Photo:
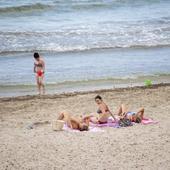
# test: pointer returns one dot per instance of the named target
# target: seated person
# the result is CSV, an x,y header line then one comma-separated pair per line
x,y
132,116
74,122
103,112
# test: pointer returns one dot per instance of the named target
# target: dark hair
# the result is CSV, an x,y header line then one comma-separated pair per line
x,y
98,97
84,127
138,120
36,55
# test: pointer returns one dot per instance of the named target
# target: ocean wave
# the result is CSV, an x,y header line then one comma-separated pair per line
x,y
75,5
87,37
81,48
64,36
91,6
100,4
24,8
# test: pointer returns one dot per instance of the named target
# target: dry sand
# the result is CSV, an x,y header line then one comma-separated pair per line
x,y
136,147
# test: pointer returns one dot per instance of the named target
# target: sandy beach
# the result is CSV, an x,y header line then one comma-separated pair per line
x,y
136,147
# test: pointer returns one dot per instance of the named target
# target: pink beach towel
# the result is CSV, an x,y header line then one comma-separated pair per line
x,y
114,124
97,127
147,121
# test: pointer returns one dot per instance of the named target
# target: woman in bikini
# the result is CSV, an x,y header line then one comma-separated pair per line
x,y
103,112
39,69
132,116
74,122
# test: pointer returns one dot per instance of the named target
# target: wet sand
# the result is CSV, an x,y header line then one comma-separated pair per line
x,y
136,147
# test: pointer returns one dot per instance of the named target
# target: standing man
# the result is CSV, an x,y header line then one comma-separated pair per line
x,y
39,69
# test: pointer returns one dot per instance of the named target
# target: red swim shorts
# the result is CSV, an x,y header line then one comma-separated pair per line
x,y
39,73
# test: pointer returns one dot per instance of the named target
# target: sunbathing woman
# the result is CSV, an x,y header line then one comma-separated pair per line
x,y
74,122
103,112
39,69
132,116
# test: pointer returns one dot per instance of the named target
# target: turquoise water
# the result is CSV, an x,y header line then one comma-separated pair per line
x,y
86,44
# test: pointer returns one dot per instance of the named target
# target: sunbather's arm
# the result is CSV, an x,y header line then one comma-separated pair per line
x,y
43,66
113,116
34,69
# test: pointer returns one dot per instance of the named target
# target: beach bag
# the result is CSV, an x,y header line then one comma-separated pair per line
x,y
125,122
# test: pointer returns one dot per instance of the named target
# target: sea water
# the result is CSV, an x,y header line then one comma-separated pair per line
x,y
86,44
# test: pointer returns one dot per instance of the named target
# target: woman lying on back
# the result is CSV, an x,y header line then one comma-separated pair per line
x,y
74,122
132,116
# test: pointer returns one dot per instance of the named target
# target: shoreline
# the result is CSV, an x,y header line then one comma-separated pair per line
x,y
69,94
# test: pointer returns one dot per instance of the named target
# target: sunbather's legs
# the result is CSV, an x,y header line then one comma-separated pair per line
x,y
66,117
122,109
94,119
97,118
103,117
